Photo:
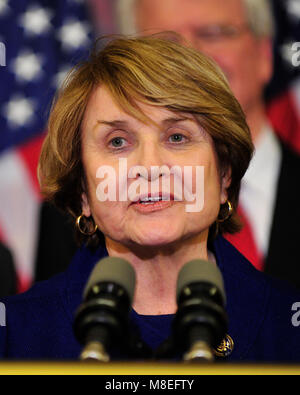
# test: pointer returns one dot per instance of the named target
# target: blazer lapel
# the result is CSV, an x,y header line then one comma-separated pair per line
x,y
247,297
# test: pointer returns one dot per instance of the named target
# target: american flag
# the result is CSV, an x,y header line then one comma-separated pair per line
x,y
42,40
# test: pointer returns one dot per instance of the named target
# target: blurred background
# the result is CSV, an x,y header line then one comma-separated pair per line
x,y
43,39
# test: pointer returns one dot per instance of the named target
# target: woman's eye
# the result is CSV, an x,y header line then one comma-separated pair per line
x,y
117,142
177,138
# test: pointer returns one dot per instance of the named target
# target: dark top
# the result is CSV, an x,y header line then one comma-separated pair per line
x,y
39,322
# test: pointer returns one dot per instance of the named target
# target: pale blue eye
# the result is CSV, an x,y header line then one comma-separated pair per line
x,y
117,142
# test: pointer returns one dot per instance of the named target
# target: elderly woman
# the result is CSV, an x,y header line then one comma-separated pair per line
x,y
151,103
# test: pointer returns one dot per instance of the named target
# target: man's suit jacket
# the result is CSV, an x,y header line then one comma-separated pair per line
x,y
283,259
56,242
8,282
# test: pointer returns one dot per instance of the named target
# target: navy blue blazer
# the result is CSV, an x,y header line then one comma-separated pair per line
x,y
39,322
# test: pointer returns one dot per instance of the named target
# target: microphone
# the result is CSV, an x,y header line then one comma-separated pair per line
x,y
200,323
102,320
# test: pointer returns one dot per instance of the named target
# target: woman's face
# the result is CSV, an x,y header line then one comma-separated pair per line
x,y
145,206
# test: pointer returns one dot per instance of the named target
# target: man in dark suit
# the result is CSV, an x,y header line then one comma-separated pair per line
x,y
8,281
238,35
56,242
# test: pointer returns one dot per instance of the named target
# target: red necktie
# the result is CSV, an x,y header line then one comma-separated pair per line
x,y
245,243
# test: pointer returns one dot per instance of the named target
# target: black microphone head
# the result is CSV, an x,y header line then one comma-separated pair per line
x,y
115,270
200,271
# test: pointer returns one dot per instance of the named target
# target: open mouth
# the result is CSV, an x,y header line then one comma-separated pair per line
x,y
152,200
152,203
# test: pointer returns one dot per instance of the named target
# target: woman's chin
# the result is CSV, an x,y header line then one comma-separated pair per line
x,y
156,238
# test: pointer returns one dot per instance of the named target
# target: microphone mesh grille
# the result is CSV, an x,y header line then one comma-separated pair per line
x,y
200,271
115,270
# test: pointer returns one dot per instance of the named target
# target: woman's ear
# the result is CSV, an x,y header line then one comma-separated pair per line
x,y
225,184
86,211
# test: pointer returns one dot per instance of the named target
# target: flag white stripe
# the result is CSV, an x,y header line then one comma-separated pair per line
x,y
19,212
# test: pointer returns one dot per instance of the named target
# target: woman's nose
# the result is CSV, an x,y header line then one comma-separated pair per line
x,y
150,159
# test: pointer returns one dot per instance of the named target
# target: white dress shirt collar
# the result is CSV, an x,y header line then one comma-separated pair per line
x,y
259,187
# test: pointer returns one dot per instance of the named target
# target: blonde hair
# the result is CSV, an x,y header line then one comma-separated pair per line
x,y
258,13
154,71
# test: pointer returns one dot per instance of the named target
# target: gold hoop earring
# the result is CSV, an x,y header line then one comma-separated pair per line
x,y
83,228
229,214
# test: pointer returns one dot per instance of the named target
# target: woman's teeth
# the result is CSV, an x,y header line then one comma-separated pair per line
x,y
151,200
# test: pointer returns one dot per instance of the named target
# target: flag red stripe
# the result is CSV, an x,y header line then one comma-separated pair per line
x,y
30,153
285,119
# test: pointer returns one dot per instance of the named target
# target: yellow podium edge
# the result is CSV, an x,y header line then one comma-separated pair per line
x,y
144,368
